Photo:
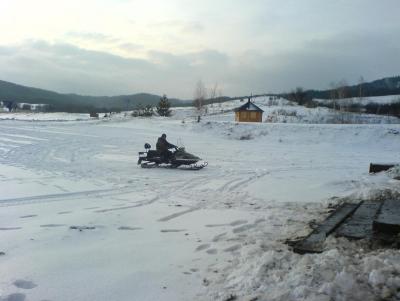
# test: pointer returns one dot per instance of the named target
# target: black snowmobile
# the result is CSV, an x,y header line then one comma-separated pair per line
x,y
179,159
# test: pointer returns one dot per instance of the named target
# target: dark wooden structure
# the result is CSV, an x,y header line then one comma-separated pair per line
x,y
378,167
378,220
248,112
313,243
359,225
388,220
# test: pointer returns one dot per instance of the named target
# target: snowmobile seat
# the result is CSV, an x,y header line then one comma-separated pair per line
x,y
153,153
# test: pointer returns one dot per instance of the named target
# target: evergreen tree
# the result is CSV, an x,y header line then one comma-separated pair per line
x,y
163,107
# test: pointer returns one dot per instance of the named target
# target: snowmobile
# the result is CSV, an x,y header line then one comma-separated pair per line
x,y
178,159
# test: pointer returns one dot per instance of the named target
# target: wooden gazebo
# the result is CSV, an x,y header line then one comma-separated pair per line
x,y
248,112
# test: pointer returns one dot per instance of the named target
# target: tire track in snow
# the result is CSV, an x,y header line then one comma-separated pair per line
x,y
178,214
48,132
62,196
139,204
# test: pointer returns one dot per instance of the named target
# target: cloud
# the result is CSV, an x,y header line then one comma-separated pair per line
x,y
91,36
130,46
71,69
180,26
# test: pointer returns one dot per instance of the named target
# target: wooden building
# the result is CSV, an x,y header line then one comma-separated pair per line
x,y
248,112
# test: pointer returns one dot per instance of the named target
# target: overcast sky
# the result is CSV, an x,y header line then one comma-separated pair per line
x,y
110,47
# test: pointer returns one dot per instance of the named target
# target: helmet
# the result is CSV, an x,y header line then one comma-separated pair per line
x,y
164,136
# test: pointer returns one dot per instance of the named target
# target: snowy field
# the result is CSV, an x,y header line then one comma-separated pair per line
x,y
387,99
32,116
79,220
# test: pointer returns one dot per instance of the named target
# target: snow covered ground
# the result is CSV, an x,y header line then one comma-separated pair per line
x,y
79,220
32,116
279,110
387,99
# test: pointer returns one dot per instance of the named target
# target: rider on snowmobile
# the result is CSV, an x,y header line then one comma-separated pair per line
x,y
163,147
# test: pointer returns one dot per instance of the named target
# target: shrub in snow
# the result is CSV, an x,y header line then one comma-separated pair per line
x,y
394,172
246,137
141,111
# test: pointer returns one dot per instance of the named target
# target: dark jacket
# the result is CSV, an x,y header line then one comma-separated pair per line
x,y
163,145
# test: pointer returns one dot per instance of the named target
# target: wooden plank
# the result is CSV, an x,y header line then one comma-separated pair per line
x,y
359,225
388,220
314,242
378,167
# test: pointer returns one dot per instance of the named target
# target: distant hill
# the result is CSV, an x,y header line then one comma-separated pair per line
x,y
380,87
78,103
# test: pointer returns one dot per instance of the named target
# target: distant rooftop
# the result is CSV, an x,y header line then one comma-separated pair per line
x,y
248,106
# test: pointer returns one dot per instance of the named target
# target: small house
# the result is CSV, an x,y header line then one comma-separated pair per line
x,y
248,112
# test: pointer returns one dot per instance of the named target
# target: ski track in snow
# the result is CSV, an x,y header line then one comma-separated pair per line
x,y
229,220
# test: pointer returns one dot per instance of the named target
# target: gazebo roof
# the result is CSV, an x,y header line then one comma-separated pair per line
x,y
248,106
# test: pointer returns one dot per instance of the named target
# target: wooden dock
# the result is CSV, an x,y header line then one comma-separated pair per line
x,y
314,242
359,225
371,219
378,167
388,220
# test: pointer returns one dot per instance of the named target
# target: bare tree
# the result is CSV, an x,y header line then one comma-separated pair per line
x,y
298,95
343,93
213,92
333,94
339,91
342,89
200,95
360,87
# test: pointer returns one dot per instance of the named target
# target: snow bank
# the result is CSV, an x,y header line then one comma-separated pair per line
x,y
394,172
267,269
298,133
387,99
283,111
37,116
337,274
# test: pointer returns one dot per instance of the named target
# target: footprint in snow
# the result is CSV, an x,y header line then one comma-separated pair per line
x,y
64,212
27,216
243,228
24,284
52,225
172,230
216,225
10,228
233,248
218,237
14,297
212,251
202,247
239,222
129,228
81,228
